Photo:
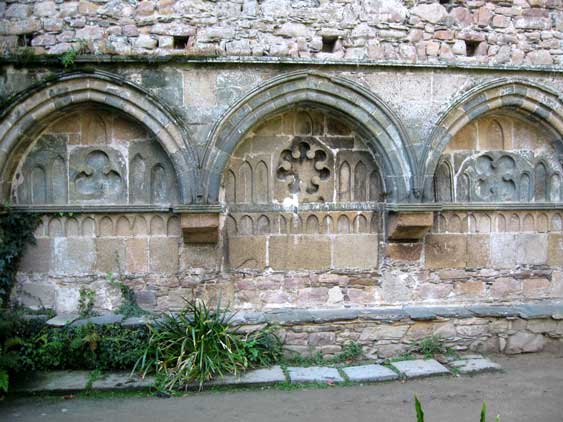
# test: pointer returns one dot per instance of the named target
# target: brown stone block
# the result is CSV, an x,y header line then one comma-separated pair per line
x,y
137,251
356,251
555,249
505,287
469,288
247,252
164,254
200,228
409,225
478,250
404,251
446,251
206,256
296,252
535,287
110,255
37,258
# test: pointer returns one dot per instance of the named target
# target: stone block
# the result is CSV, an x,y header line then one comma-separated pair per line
x,y
367,373
505,286
356,251
62,320
37,258
555,249
409,225
163,255
383,332
74,255
531,248
403,251
478,250
110,255
446,251
503,250
200,228
524,342
247,252
314,374
137,255
535,287
255,377
295,252
37,296
419,368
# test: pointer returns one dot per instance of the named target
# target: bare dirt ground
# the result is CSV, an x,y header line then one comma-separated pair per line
x,y
529,390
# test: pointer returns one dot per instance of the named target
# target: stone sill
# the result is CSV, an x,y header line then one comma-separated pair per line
x,y
53,60
292,316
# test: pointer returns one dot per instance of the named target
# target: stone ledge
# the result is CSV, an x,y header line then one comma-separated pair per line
x,y
293,316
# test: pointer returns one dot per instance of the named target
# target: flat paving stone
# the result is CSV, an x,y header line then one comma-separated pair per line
x,y
53,381
420,368
314,374
369,373
255,377
99,320
61,320
122,381
474,364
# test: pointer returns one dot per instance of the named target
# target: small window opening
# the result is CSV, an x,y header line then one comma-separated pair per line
x,y
471,48
181,42
24,40
329,43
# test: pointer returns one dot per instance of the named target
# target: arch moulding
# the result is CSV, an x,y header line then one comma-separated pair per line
x,y
32,110
378,126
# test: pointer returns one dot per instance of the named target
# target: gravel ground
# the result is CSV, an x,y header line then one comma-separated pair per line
x,y
530,389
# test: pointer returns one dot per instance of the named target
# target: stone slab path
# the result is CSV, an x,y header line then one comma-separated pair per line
x,y
58,382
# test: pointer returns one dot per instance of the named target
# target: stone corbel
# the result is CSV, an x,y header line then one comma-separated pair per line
x,y
409,226
198,228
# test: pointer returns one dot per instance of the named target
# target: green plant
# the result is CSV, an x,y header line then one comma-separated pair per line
x,y
430,346
86,302
350,351
69,57
420,412
16,232
200,343
128,306
93,376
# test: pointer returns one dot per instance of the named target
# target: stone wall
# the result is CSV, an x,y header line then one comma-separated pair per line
x,y
514,32
301,177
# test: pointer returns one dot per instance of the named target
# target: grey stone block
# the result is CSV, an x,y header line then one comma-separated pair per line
x,y
473,364
314,374
134,322
99,320
493,311
55,382
369,373
256,377
420,313
122,381
534,311
452,312
420,368
62,320
386,314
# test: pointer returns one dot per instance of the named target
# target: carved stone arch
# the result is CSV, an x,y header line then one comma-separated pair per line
x,y
32,110
374,122
534,101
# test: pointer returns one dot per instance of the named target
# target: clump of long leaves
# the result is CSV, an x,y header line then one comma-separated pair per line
x,y
200,343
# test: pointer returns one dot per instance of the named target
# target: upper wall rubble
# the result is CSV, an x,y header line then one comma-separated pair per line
x,y
512,32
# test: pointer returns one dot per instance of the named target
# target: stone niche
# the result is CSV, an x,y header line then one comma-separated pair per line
x,y
95,157
500,158
299,191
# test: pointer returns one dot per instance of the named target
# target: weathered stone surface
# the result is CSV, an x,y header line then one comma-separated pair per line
x,y
365,373
200,228
164,255
74,255
420,368
314,374
254,377
474,364
247,252
299,252
356,251
99,320
523,342
445,251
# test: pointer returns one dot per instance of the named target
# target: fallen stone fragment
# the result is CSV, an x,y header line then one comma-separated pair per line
x,y
473,364
314,374
369,373
62,320
420,368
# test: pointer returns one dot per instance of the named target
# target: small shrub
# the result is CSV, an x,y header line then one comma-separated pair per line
x,y
128,307
420,412
430,346
200,343
69,57
86,302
